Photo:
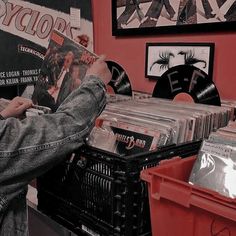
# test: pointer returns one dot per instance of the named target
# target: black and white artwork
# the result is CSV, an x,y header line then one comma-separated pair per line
x,y
162,56
149,16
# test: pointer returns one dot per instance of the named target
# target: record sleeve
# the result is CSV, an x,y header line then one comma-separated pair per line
x,y
223,138
232,124
232,105
124,138
215,168
63,69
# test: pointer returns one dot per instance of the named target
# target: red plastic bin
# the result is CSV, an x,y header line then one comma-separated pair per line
x,y
180,209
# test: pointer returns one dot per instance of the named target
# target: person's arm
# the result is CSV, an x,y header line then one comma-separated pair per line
x,y
30,147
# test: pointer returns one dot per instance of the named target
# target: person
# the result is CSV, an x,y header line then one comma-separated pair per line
x,y
217,9
155,9
187,12
207,9
31,146
131,6
70,82
54,90
223,10
75,75
48,78
51,84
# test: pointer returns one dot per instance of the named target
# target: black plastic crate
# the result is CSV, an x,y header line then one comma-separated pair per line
x,y
101,192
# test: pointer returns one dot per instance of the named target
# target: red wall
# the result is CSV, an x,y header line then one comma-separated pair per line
x,y
130,51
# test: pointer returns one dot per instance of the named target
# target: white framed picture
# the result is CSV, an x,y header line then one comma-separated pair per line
x,y
162,56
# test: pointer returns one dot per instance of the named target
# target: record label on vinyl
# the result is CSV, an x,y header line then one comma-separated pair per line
x,y
120,82
187,83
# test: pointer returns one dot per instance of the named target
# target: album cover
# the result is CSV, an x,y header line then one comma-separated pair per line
x,y
62,71
122,141
232,124
232,105
222,137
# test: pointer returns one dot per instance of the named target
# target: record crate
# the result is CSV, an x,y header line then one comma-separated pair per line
x,y
180,209
101,193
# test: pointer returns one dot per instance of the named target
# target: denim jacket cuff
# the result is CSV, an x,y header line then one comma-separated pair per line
x,y
94,80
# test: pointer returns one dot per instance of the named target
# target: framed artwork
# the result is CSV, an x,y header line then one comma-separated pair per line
x,y
162,56
172,16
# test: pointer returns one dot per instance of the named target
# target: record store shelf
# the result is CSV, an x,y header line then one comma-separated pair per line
x,y
101,193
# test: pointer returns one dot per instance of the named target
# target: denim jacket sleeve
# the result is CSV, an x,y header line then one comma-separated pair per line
x,y
31,146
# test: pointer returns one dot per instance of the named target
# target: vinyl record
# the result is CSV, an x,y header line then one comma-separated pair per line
x,y
120,81
187,81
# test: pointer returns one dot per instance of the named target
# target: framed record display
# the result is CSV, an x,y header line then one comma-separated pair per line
x,y
160,57
172,16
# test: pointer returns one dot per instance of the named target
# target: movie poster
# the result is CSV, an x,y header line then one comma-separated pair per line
x,y
25,29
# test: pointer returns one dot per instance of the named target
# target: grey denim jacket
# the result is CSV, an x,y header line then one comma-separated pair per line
x,y
30,147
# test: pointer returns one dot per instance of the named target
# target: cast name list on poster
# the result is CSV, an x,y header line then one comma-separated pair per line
x,y
12,77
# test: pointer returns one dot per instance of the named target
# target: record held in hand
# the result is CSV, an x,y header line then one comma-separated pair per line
x,y
120,82
188,82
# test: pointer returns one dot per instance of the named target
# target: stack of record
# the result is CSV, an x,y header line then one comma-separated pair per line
x,y
137,125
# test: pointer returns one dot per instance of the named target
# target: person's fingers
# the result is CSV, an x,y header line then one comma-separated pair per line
x,y
15,99
29,103
22,100
23,107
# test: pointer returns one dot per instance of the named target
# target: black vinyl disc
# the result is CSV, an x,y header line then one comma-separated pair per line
x,y
185,79
120,82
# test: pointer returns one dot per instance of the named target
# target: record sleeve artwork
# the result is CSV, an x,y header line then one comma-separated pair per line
x,y
62,71
187,83
64,68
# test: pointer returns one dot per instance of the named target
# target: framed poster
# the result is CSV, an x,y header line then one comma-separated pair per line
x,y
162,56
172,16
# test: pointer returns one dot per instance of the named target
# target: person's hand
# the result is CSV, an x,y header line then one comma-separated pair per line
x,y
99,69
16,107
